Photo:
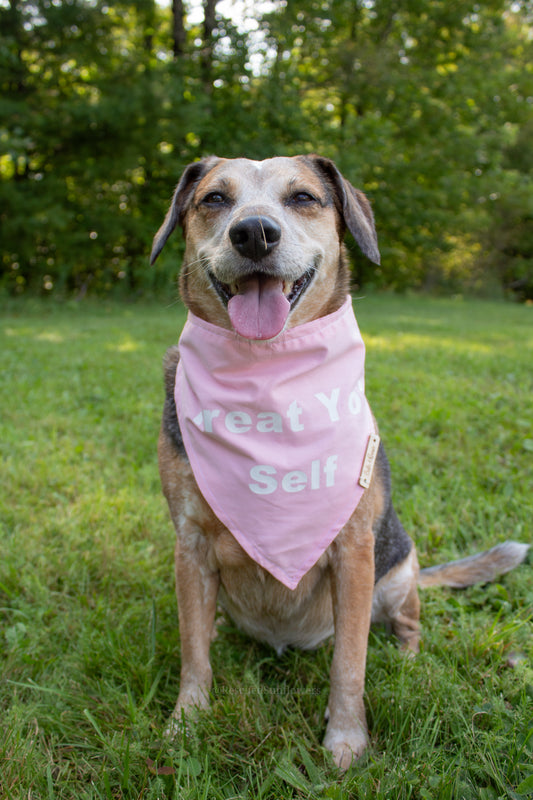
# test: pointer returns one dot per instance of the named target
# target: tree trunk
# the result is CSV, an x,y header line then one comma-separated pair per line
x,y
209,20
15,32
178,28
207,50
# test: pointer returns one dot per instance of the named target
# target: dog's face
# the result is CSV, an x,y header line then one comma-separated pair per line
x,y
262,236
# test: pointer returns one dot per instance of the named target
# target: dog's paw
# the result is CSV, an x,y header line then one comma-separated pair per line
x,y
346,746
189,703
176,726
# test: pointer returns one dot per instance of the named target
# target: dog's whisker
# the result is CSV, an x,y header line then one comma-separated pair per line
x,y
198,265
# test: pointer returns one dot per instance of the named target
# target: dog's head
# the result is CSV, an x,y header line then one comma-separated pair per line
x,y
262,237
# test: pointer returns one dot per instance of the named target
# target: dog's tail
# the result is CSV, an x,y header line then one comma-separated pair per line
x,y
480,568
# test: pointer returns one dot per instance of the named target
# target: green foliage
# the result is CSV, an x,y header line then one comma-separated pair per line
x,y
511,236
89,644
425,105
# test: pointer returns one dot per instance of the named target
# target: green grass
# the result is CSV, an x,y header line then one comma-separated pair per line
x,y
89,643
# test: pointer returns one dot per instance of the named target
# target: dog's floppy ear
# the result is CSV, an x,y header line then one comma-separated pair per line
x,y
353,207
180,202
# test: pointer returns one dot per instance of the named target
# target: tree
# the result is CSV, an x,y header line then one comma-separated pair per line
x,y
424,104
77,103
179,35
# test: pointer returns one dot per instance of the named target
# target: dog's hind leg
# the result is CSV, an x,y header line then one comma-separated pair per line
x,y
406,622
396,602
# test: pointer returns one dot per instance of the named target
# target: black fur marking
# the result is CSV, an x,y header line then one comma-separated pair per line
x,y
392,543
171,426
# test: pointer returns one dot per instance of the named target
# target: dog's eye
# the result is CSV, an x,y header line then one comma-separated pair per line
x,y
214,199
302,199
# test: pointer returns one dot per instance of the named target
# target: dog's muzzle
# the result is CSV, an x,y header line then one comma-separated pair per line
x,y
259,302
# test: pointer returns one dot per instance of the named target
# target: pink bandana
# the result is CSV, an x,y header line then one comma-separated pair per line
x,y
276,432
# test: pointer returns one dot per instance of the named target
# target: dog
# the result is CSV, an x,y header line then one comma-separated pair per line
x,y
264,273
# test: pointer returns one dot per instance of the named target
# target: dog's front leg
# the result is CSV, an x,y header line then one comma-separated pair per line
x,y
196,590
352,584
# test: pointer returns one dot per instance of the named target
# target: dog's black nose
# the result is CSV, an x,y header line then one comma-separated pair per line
x,y
255,237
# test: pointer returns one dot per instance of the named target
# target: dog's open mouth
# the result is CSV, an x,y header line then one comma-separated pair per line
x,y
258,304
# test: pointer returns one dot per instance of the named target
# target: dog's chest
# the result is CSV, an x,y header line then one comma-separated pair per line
x,y
265,609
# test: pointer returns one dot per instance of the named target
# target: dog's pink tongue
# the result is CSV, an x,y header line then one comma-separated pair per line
x,y
261,309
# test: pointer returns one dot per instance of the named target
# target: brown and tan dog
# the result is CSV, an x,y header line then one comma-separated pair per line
x,y
278,226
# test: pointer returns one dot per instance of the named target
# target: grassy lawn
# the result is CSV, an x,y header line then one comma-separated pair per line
x,y
89,644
